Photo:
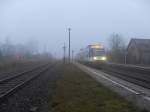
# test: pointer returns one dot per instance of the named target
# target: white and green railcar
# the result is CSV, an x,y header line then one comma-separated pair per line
x,y
93,53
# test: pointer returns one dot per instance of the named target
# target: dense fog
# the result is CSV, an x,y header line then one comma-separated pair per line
x,y
45,22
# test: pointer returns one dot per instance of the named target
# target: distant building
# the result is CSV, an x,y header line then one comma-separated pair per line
x,y
138,51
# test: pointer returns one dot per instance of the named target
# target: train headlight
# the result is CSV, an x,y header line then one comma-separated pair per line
x,y
95,58
104,58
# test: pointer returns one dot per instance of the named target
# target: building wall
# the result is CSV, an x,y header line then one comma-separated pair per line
x,y
145,58
133,54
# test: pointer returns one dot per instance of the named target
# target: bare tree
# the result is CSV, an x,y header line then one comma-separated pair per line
x,y
10,51
7,48
117,48
31,48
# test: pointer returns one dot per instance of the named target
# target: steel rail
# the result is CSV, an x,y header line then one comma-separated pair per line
x,y
19,74
137,75
14,88
122,75
130,66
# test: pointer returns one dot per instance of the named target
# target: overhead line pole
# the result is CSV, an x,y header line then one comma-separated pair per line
x,y
72,55
64,48
69,29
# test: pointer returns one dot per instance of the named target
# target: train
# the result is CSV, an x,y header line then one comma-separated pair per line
x,y
93,53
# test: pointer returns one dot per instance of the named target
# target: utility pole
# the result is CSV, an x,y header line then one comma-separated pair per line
x,y
64,48
72,55
69,29
125,58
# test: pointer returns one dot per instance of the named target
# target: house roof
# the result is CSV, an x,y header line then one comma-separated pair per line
x,y
141,44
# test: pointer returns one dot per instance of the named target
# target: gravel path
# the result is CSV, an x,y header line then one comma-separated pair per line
x,y
33,97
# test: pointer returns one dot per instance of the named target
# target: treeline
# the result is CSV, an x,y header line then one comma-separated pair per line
x,y
116,51
10,51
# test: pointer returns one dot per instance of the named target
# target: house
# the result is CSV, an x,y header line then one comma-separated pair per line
x,y
138,51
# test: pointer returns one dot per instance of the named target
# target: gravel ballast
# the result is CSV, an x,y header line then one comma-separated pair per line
x,y
34,96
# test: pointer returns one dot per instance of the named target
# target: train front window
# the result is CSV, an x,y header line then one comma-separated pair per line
x,y
98,52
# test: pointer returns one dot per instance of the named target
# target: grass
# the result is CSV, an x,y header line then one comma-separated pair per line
x,y
78,92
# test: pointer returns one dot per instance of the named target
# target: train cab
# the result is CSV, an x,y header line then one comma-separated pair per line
x,y
97,53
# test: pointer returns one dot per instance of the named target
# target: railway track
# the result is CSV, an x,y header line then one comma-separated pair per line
x,y
19,69
10,85
134,74
130,77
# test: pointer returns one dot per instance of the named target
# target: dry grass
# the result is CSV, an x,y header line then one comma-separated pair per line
x,y
77,92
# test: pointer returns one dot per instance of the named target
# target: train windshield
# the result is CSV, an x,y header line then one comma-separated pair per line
x,y
97,52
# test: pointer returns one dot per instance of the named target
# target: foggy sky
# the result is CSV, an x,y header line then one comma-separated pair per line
x,y
46,21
